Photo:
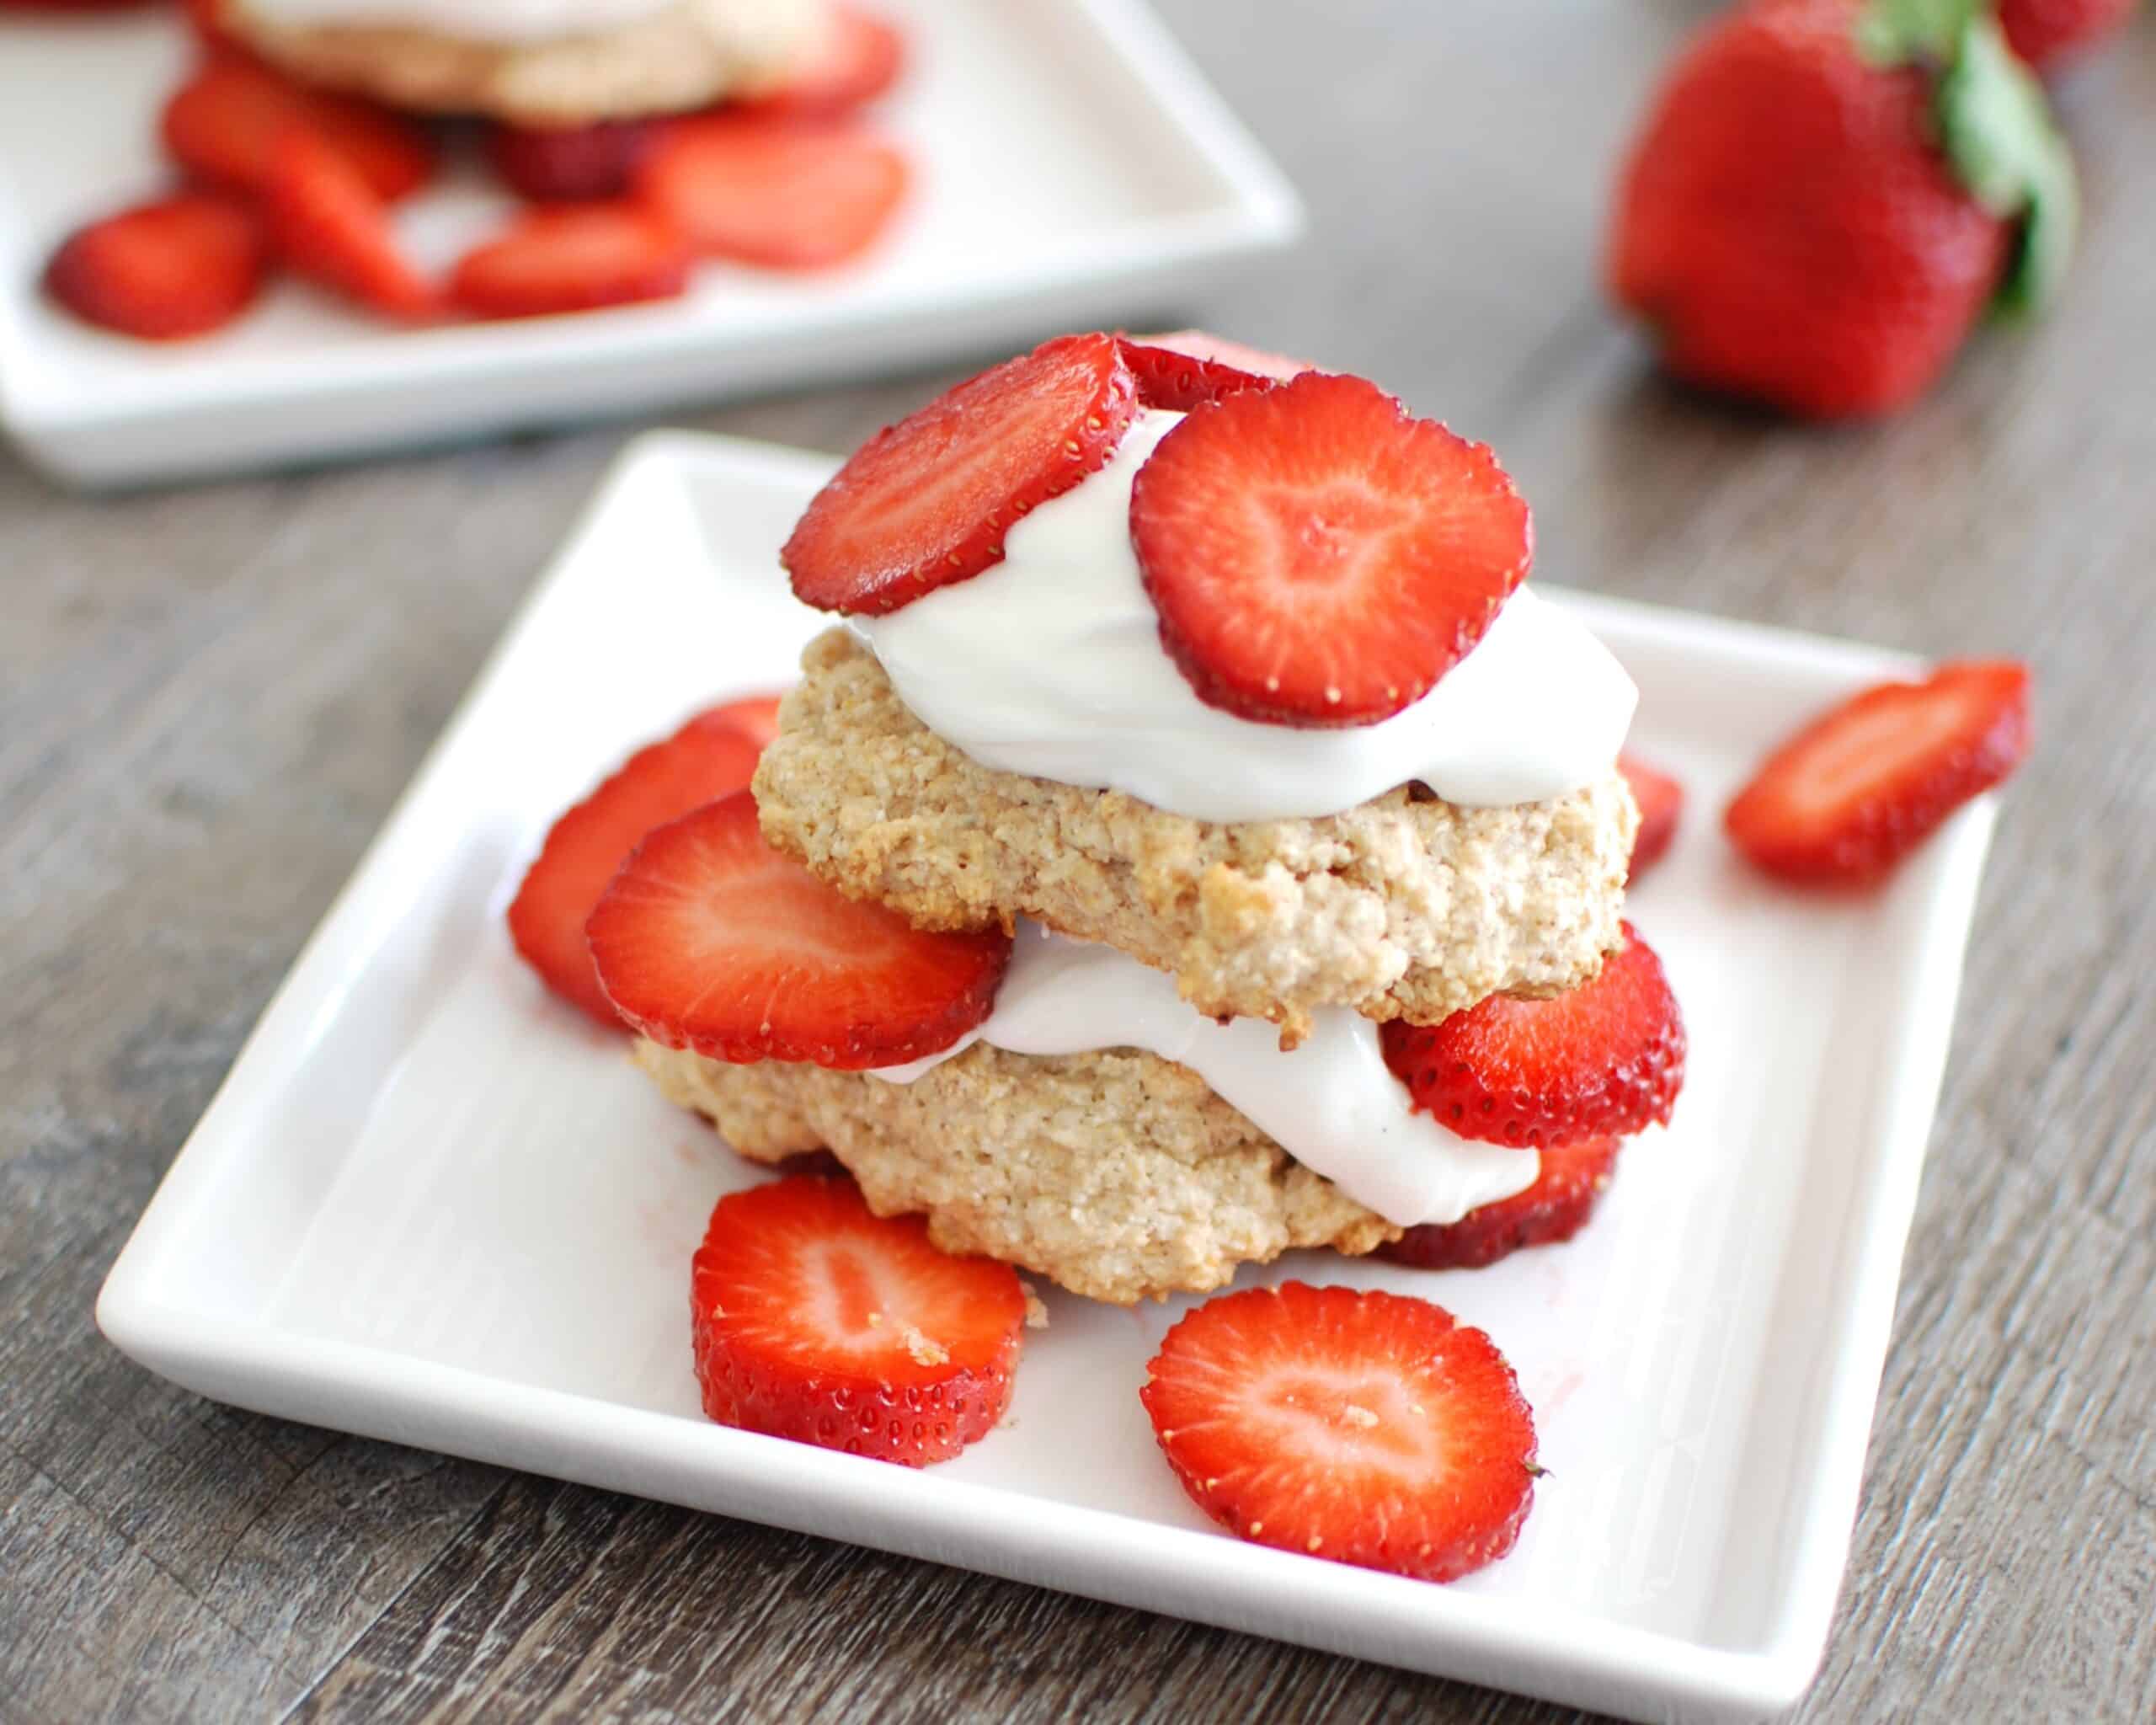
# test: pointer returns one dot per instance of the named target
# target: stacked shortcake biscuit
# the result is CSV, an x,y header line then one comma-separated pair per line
x,y
537,63
1193,843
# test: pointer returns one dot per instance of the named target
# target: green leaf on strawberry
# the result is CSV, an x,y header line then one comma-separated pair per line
x,y
1995,126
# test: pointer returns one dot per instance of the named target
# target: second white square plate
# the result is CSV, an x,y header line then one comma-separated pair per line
x,y
1072,169
433,1204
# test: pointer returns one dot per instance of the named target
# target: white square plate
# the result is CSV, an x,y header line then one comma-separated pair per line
x,y
1072,169
432,1204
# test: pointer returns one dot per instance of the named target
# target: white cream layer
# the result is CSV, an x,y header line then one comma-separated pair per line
x,y
1050,664
1332,1103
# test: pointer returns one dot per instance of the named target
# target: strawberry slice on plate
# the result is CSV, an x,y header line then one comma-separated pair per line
x,y
816,1321
572,258
708,758
1853,793
755,715
859,58
1661,803
1367,1427
711,940
570,163
224,123
330,225
1319,559
1573,1179
781,195
926,502
181,266
1607,1057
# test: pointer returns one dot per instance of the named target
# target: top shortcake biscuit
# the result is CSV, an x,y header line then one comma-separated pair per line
x,y
1404,906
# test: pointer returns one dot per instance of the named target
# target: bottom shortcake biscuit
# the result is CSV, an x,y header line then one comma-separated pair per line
x,y
1117,1175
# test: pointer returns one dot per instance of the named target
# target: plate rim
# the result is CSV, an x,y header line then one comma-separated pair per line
x,y
1573,1655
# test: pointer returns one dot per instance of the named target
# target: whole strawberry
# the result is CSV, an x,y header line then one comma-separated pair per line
x,y
2044,32
1828,193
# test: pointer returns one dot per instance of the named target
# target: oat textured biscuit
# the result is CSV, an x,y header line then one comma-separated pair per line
x,y
687,56
1119,1175
1402,906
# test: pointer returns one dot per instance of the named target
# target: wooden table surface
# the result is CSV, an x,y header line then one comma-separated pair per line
x,y
210,698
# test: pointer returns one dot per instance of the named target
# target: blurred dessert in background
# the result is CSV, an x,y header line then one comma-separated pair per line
x,y
648,135
537,63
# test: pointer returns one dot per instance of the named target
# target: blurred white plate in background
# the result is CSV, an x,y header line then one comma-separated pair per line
x,y
1072,169
432,1203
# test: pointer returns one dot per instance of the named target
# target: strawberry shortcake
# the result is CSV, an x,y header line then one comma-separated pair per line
x,y
537,63
1194,842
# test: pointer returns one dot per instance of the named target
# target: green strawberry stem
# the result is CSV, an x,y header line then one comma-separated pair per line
x,y
1995,126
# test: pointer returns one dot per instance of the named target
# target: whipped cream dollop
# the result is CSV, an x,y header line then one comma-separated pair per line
x,y
1050,664
1332,1103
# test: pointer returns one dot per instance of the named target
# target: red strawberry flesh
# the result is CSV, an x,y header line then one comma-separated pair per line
x,y
756,716
1604,1058
1319,559
710,757
1367,1427
814,1320
570,163
926,502
224,123
572,258
1662,804
711,940
780,194
1566,1189
1175,381
182,266
1218,350
1842,801
330,225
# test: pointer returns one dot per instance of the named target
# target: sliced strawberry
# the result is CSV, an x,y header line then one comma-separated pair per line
x,y
181,266
1853,793
572,258
702,761
816,1321
1184,368
224,123
1607,1057
858,59
787,196
926,502
755,715
711,940
1662,802
329,225
1170,379
1317,557
1556,1207
1367,1427
558,164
